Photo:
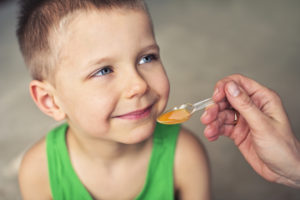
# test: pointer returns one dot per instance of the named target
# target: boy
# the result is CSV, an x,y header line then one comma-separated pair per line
x,y
96,64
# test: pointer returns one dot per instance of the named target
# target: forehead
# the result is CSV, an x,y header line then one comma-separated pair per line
x,y
110,27
106,24
93,34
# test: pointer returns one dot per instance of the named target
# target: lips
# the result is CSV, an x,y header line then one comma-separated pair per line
x,y
138,114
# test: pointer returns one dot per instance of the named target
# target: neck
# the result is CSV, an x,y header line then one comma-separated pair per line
x,y
102,150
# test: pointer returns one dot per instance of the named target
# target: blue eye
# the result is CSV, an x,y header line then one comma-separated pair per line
x,y
103,71
147,59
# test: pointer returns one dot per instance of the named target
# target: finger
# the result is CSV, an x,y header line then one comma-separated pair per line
x,y
249,85
211,132
210,114
227,130
268,99
241,101
223,105
219,92
227,117
217,127
212,111
237,132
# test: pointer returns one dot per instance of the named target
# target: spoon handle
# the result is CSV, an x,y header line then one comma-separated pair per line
x,y
202,104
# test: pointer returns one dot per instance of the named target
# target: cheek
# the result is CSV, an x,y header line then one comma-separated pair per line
x,y
93,117
99,107
161,84
90,111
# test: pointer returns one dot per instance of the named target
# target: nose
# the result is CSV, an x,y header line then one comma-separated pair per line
x,y
136,85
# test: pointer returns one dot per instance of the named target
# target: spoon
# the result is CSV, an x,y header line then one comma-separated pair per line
x,y
182,113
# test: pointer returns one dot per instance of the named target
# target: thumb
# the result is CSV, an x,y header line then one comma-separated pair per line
x,y
241,102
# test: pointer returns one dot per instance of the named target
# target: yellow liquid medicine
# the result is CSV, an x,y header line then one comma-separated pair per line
x,y
174,117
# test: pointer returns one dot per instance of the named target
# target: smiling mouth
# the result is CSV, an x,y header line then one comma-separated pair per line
x,y
135,115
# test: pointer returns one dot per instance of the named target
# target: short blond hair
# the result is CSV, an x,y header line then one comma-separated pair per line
x,y
40,18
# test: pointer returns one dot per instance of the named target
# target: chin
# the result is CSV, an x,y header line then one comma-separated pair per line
x,y
140,133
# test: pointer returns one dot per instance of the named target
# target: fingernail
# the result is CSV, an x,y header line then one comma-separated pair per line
x,y
216,91
233,89
204,114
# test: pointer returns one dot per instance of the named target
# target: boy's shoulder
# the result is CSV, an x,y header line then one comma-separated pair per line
x,y
189,146
33,173
192,174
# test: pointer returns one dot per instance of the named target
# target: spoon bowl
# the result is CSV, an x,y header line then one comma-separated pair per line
x,y
182,113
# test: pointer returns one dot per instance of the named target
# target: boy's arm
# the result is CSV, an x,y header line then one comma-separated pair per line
x,y
33,174
192,174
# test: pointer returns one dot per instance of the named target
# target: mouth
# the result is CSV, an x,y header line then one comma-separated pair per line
x,y
135,115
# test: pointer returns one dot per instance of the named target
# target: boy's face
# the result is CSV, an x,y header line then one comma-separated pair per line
x,y
110,81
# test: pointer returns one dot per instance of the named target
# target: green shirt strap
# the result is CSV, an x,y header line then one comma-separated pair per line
x,y
64,182
66,185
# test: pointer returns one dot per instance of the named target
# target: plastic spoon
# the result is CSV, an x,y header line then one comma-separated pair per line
x,y
182,113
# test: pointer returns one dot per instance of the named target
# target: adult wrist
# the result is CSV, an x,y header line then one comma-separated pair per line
x,y
293,179
296,178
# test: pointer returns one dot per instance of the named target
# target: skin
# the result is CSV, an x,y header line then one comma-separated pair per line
x,y
110,86
262,132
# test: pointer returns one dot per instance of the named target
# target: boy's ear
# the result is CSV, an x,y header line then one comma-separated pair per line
x,y
42,95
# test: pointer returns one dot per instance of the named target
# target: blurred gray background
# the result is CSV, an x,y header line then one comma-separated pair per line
x,y
201,42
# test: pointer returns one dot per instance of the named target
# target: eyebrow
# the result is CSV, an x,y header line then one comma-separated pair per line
x,y
104,59
98,61
150,47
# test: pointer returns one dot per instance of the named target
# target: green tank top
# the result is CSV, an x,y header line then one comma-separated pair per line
x,y
66,185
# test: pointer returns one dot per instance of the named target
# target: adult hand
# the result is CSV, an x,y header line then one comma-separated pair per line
x,y
262,130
